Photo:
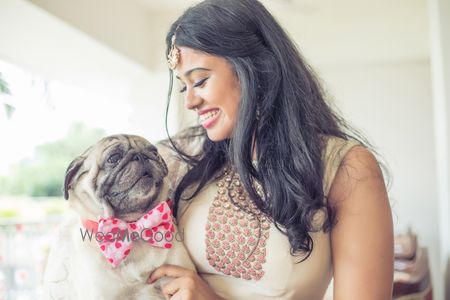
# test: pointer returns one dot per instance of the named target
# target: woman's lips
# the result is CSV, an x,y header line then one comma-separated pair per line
x,y
208,118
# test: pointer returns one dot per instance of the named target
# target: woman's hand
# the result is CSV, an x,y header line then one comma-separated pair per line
x,y
186,284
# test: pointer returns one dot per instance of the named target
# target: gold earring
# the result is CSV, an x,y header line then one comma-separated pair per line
x,y
174,55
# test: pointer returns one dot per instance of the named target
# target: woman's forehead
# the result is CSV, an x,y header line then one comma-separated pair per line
x,y
191,59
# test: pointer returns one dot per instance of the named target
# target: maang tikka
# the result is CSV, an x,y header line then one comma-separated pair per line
x,y
174,54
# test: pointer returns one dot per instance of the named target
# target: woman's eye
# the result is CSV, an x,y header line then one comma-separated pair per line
x,y
113,159
196,84
199,83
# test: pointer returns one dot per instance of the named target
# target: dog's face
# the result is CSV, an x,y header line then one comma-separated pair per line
x,y
121,176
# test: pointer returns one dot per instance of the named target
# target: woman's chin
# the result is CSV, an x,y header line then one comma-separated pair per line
x,y
216,137
217,134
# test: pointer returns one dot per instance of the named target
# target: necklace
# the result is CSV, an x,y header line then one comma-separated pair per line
x,y
236,231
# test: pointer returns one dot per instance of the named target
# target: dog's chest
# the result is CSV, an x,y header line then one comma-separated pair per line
x,y
77,269
95,274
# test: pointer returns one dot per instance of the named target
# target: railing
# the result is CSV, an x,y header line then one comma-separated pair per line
x,y
23,252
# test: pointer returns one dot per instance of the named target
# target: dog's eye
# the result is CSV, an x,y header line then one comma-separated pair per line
x,y
113,159
140,156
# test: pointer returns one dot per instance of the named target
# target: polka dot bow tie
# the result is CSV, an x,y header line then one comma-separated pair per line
x,y
117,238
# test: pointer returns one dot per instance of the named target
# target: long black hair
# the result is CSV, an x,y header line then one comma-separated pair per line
x,y
282,108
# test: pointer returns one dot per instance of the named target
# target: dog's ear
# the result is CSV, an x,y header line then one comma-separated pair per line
x,y
162,153
71,171
163,163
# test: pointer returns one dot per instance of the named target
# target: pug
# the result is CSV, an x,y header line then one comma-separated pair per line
x,y
121,228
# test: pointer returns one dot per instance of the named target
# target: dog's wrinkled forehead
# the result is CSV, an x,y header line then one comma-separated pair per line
x,y
119,142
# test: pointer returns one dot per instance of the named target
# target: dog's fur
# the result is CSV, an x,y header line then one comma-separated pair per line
x,y
121,176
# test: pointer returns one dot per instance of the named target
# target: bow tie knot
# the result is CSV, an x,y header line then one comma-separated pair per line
x,y
155,228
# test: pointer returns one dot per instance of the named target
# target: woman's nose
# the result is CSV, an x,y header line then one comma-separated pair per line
x,y
191,99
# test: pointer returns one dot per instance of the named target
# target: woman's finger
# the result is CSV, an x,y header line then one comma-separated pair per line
x,y
168,270
180,295
171,288
183,295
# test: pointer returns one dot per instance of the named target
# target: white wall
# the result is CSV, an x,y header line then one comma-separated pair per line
x,y
439,19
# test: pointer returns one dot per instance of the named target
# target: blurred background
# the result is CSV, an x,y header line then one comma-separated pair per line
x,y
72,72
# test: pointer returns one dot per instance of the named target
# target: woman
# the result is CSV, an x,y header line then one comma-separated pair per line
x,y
272,193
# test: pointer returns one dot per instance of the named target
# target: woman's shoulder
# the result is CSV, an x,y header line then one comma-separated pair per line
x,y
362,238
333,152
337,146
189,142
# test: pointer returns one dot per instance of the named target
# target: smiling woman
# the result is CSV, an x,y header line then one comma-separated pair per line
x,y
275,193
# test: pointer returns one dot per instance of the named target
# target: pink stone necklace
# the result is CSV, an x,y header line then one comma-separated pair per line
x,y
236,230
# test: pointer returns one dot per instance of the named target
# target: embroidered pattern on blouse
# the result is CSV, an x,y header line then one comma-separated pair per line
x,y
236,239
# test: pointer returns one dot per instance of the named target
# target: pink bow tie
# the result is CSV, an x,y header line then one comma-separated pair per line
x,y
155,227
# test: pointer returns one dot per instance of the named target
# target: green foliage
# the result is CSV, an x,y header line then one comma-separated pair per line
x,y
43,175
4,89
8,213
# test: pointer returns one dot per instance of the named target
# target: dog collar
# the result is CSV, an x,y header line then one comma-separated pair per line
x,y
115,237
90,225
93,225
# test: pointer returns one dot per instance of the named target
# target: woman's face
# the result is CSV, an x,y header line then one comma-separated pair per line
x,y
211,88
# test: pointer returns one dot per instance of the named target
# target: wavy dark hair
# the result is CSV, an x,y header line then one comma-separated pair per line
x,y
282,106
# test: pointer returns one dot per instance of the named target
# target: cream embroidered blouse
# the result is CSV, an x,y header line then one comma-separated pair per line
x,y
243,256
